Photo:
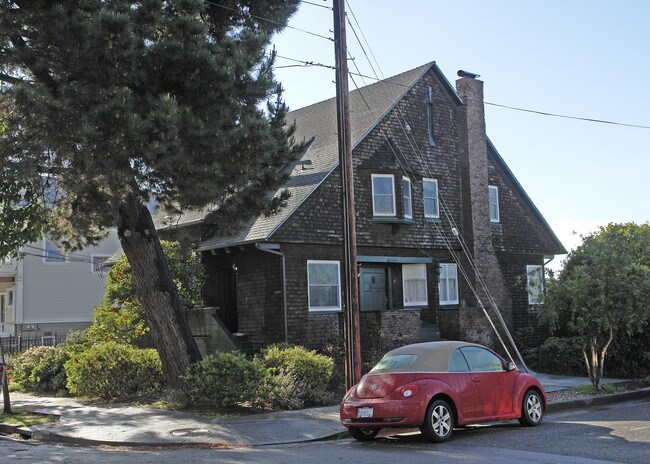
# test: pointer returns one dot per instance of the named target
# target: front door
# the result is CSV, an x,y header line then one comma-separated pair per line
x,y
373,294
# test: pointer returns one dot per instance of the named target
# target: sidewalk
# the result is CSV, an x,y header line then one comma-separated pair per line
x,y
121,425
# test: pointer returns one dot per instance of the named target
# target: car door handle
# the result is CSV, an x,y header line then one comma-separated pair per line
x,y
476,379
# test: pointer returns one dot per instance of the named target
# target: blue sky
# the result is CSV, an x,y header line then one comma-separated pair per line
x,y
579,58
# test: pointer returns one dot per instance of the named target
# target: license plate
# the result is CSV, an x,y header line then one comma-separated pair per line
x,y
364,413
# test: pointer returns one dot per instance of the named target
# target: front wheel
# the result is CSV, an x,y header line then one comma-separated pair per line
x,y
439,422
363,433
532,409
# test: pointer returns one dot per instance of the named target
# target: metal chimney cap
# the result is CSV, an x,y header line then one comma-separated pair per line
x,y
462,73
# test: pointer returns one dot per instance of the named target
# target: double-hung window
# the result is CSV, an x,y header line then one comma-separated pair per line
x,y
493,200
324,285
383,195
430,193
448,284
414,282
406,194
52,252
535,284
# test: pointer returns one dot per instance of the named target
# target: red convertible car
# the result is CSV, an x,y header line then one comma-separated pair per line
x,y
437,386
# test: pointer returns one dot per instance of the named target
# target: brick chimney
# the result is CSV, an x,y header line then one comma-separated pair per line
x,y
476,219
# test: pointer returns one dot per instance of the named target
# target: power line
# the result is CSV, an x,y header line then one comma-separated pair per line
x,y
317,4
544,113
261,18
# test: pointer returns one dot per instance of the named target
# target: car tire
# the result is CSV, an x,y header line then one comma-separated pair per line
x,y
532,409
439,422
363,433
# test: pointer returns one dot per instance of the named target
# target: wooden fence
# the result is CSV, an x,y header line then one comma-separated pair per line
x,y
17,344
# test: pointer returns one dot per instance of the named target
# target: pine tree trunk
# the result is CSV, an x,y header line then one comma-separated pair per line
x,y
159,296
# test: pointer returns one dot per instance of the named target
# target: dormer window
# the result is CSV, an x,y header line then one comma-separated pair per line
x,y
383,195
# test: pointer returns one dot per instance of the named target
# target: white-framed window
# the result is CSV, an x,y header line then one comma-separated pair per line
x,y
96,262
535,283
448,283
51,252
383,195
414,283
430,194
493,200
10,298
406,194
324,285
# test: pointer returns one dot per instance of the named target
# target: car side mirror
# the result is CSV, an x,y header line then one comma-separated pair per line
x,y
510,366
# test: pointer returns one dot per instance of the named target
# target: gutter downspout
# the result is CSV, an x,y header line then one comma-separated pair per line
x,y
266,247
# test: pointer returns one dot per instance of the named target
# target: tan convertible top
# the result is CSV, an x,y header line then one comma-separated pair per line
x,y
430,356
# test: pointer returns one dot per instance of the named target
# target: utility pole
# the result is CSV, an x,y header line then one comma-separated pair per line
x,y
350,270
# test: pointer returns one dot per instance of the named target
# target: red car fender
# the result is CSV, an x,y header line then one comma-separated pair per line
x,y
432,387
523,383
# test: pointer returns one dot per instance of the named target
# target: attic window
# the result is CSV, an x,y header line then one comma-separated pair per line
x,y
493,199
430,125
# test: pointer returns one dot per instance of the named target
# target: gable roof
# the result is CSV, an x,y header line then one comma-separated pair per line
x,y
317,123
538,215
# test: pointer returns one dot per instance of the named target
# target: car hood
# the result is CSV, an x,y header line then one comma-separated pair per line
x,y
381,385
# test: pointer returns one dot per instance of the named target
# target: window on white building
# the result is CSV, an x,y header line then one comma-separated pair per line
x,y
493,199
324,283
52,252
414,282
535,284
383,195
448,284
96,262
430,193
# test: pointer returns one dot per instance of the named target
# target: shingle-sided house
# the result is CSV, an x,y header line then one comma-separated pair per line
x,y
426,176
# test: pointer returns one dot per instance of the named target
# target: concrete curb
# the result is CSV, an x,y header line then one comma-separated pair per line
x,y
597,400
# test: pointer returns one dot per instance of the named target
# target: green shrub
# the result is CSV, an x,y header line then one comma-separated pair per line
x,y
562,356
120,316
41,369
300,375
227,380
113,370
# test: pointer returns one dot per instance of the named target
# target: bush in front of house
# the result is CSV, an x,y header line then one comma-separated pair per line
x,y
40,369
114,370
562,356
299,377
227,380
281,377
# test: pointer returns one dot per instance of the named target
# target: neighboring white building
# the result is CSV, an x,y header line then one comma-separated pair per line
x,y
49,292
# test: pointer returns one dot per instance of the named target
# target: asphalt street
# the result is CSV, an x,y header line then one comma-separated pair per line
x,y
613,433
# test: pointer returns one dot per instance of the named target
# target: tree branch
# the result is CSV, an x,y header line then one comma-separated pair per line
x,y
11,79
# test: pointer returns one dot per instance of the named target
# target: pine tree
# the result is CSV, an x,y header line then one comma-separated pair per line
x,y
124,101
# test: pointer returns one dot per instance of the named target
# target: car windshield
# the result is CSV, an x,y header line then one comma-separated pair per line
x,y
399,361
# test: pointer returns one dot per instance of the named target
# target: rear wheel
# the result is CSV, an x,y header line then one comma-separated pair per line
x,y
439,422
363,433
532,409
